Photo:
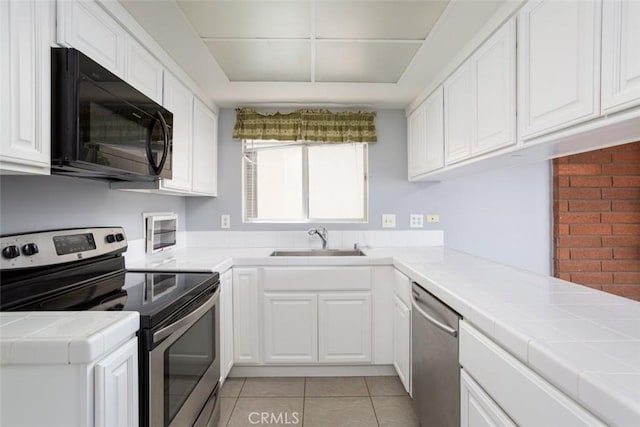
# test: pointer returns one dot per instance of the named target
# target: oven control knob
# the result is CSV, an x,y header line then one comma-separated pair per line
x,y
30,249
119,237
110,238
11,252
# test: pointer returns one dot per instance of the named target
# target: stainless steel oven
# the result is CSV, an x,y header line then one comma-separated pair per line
x,y
184,366
179,344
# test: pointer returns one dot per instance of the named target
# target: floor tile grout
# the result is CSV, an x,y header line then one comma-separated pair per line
x,y
375,414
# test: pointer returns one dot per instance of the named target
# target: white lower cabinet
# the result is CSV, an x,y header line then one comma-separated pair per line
x,y
402,341
246,316
402,328
344,327
290,328
524,396
226,324
25,86
303,315
116,387
477,408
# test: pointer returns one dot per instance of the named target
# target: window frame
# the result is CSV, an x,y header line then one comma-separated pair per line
x,y
305,187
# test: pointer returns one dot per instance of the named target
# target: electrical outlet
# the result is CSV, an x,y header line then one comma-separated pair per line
x,y
388,220
433,218
225,221
416,221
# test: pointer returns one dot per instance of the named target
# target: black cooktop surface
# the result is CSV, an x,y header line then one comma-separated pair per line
x,y
155,295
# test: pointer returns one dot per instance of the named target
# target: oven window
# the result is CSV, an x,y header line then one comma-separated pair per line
x,y
185,363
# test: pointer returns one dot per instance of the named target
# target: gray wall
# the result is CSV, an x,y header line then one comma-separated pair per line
x,y
29,203
501,215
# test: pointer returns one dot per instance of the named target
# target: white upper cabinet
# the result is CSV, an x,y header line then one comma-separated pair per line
x,y
620,55
84,25
205,150
25,86
494,101
426,136
143,71
179,100
416,142
458,114
558,65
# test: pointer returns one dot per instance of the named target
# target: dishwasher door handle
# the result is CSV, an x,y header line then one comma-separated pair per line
x,y
445,328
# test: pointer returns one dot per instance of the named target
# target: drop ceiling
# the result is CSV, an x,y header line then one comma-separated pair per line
x,y
360,53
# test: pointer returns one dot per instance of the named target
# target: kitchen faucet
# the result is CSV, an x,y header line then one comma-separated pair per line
x,y
322,233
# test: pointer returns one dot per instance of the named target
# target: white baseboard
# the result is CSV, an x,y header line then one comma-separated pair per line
x,y
313,371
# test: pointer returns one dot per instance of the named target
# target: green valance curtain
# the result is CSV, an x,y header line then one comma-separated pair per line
x,y
306,125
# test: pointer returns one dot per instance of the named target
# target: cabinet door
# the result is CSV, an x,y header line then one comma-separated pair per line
x,y
434,131
477,408
226,324
25,86
620,55
246,315
290,328
144,72
205,150
402,342
416,142
179,100
458,114
344,327
494,100
558,64
116,387
84,25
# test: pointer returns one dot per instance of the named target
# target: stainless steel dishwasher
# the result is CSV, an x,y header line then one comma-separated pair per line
x,y
435,368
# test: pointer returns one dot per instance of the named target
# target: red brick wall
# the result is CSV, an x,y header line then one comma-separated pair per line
x,y
596,212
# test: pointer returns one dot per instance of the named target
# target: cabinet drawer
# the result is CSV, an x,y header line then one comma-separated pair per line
x,y
317,279
526,397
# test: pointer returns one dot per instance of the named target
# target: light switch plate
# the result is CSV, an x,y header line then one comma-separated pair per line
x,y
433,218
416,220
225,221
388,220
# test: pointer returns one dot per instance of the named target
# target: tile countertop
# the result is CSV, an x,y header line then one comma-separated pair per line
x,y
585,342
69,337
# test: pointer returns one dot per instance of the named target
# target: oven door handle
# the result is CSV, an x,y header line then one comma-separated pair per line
x,y
189,319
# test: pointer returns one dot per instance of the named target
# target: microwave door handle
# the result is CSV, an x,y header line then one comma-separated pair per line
x,y
167,146
150,158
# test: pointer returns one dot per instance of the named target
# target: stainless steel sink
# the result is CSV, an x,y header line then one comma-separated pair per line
x,y
320,252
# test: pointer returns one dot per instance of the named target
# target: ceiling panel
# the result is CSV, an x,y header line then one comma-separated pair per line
x,y
262,61
248,19
393,20
370,62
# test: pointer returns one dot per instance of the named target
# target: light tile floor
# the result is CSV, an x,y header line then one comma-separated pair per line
x,y
316,402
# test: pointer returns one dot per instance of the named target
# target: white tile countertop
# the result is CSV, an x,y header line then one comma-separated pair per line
x,y
61,337
585,342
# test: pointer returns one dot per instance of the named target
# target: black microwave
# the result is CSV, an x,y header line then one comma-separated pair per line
x,y
102,127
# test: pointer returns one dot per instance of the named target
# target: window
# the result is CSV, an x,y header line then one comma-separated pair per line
x,y
295,182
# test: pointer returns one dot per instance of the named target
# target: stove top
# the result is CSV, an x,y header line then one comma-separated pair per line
x,y
97,280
